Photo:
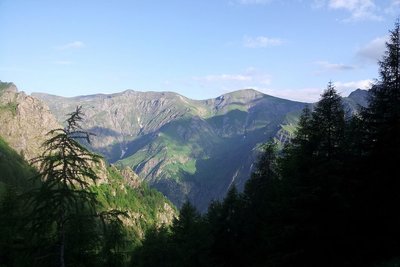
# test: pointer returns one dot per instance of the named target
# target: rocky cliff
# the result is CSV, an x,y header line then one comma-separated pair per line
x,y
24,123
185,148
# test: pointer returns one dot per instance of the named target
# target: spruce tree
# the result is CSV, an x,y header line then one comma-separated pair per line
x,y
190,238
328,123
227,231
379,200
306,213
383,113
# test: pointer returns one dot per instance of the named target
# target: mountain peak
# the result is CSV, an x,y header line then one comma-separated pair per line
x,y
244,93
360,96
358,92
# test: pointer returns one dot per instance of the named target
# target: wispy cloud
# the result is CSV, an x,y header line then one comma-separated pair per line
x,y
373,50
261,41
345,88
309,94
71,45
327,66
250,78
313,94
358,9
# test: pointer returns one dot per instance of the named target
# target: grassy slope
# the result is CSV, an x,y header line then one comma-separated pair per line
x,y
184,142
144,205
14,170
206,153
10,106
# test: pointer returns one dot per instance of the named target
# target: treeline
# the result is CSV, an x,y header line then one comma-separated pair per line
x,y
330,198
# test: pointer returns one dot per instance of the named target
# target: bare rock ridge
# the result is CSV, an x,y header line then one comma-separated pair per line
x,y
182,147
24,122
186,148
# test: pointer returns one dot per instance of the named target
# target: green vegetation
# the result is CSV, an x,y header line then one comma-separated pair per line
x,y
14,170
64,218
10,106
4,86
144,202
64,195
329,198
169,140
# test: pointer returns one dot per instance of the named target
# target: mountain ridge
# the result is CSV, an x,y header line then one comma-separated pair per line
x,y
25,122
187,149
171,141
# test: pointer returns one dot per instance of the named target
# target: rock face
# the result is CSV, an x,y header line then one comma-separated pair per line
x,y
24,121
185,148
359,97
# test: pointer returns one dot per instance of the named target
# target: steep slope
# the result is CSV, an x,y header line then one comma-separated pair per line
x,y
119,118
14,170
184,148
25,121
358,97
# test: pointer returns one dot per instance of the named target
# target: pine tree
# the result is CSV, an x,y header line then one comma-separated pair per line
x,y
328,123
66,172
378,202
261,217
190,237
383,113
305,203
265,171
303,132
157,249
227,230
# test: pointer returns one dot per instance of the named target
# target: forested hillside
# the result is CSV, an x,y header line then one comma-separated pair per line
x,y
187,148
173,142
122,206
329,198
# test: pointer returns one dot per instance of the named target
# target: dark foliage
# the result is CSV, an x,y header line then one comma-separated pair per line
x,y
329,198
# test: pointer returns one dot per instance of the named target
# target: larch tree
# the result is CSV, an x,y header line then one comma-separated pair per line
x,y
66,172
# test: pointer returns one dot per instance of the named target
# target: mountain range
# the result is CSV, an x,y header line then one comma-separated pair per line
x,y
24,124
187,149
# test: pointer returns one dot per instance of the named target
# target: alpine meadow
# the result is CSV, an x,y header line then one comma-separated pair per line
x,y
141,178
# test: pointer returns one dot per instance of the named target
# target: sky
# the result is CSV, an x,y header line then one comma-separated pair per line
x,y
199,49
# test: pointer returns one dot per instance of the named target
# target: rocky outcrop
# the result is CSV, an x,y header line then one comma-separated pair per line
x,y
186,148
24,121
24,124
131,178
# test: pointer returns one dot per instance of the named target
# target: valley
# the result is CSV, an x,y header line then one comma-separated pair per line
x,y
186,149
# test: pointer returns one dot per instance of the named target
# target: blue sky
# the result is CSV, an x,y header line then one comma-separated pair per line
x,y
200,49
